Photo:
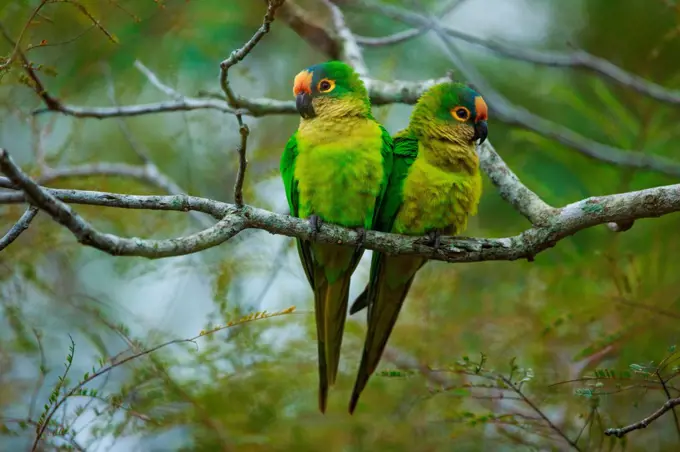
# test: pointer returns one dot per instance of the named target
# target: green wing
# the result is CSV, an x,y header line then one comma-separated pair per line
x,y
405,153
385,293
287,168
387,152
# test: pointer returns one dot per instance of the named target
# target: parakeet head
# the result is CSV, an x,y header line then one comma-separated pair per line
x,y
451,112
330,89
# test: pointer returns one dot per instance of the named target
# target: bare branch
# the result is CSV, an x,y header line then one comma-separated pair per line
x,y
155,81
395,38
242,166
381,93
405,35
511,188
620,432
305,26
578,59
150,171
20,226
184,104
521,117
239,54
557,225
233,100
351,52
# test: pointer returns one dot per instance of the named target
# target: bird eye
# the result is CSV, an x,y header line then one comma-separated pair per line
x,y
326,86
460,113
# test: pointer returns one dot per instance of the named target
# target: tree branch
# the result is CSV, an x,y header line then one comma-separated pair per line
x,y
620,432
306,28
395,38
557,224
351,52
578,59
242,165
511,189
405,35
239,54
521,117
20,226
150,171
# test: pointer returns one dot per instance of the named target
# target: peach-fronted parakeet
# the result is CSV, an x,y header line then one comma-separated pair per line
x,y
334,169
435,184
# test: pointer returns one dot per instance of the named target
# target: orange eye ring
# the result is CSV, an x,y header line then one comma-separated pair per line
x,y
460,113
325,85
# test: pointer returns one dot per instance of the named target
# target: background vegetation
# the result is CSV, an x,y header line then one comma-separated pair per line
x,y
598,304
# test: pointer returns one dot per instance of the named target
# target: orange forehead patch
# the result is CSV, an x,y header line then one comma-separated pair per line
x,y
482,110
303,83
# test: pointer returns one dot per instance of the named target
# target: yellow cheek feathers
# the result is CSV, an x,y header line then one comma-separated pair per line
x,y
482,110
302,83
461,114
325,85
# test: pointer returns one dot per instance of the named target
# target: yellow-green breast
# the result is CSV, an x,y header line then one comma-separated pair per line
x,y
339,169
436,197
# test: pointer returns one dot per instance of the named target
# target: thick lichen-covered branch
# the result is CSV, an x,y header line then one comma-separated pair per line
x,y
556,223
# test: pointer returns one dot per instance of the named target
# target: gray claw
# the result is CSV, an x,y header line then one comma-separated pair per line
x,y
435,238
362,236
315,222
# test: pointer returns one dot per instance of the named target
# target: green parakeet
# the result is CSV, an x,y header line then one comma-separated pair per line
x,y
334,169
435,184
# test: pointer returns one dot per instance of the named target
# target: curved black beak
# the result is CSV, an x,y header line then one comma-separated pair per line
x,y
303,103
481,131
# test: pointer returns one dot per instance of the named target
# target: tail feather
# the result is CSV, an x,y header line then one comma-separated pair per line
x,y
331,298
388,297
360,302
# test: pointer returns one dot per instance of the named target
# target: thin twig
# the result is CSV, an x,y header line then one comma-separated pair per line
x,y
242,165
233,100
620,432
239,54
16,45
395,38
405,35
669,397
19,227
538,411
41,377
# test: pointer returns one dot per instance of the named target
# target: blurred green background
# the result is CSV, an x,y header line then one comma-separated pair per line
x,y
253,386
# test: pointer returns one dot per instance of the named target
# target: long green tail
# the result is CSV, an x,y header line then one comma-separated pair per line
x,y
332,274
393,278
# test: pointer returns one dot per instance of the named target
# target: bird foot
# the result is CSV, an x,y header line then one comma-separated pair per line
x,y
315,222
362,236
434,238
